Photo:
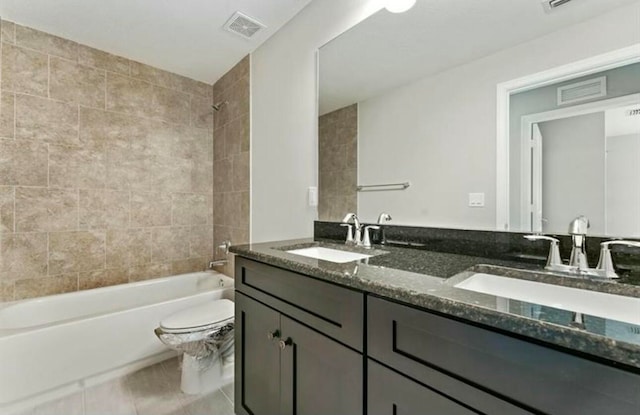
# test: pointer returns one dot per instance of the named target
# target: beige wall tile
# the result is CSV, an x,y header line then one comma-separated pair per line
x,y
189,209
337,144
150,209
240,70
170,105
202,177
6,290
76,251
44,42
46,120
241,171
103,209
24,70
218,208
219,150
170,243
222,175
77,84
102,278
237,136
155,76
39,287
149,271
77,167
7,31
102,60
238,216
185,266
128,247
7,113
23,256
110,130
101,171
193,87
171,175
23,163
201,242
6,209
128,95
201,112
46,210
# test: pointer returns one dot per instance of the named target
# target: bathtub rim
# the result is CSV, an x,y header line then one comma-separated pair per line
x,y
50,325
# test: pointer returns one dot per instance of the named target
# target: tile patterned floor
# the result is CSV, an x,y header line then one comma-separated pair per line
x,y
154,390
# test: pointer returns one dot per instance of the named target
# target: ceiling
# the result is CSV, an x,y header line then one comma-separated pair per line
x,y
181,36
389,50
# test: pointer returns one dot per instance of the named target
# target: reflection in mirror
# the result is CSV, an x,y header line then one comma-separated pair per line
x,y
412,98
575,149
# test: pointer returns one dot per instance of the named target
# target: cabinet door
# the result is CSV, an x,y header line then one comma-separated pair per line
x,y
257,371
392,394
319,376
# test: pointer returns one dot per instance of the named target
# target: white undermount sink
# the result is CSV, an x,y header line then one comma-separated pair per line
x,y
327,254
609,306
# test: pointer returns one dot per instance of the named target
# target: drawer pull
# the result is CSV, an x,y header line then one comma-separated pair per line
x,y
284,343
272,335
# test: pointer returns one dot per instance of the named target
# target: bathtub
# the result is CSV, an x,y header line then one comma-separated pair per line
x,y
54,345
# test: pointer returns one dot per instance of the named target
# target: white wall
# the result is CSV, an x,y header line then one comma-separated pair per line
x,y
449,122
284,117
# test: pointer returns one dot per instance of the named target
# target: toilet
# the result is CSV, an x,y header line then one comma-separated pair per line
x,y
204,334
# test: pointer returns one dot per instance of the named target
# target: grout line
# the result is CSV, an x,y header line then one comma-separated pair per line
x,y
48,76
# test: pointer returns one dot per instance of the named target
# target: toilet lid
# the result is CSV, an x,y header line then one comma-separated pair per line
x,y
206,314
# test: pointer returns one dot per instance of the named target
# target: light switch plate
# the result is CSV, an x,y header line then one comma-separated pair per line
x,y
313,196
476,199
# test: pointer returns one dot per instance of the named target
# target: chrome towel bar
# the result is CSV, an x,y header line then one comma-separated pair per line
x,y
383,187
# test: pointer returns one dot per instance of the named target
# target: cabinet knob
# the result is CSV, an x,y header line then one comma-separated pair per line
x,y
271,335
284,343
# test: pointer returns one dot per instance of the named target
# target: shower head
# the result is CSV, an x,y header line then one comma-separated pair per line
x,y
219,105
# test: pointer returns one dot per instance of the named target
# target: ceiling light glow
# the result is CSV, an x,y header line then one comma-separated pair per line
x,y
399,6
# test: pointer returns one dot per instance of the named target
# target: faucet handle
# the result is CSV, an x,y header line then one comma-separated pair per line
x,y
554,261
366,243
349,232
384,217
605,263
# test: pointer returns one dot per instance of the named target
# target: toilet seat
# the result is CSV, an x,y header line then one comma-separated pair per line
x,y
201,317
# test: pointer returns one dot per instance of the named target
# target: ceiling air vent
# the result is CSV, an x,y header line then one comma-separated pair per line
x,y
550,5
243,25
582,91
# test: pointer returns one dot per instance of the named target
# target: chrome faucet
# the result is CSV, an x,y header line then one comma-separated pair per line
x,y
606,268
554,260
383,217
356,236
578,231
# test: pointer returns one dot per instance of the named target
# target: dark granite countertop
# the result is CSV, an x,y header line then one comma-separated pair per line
x,y
426,279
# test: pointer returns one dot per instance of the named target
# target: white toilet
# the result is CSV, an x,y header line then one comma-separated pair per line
x,y
192,329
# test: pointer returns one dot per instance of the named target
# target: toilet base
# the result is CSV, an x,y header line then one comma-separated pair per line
x,y
196,381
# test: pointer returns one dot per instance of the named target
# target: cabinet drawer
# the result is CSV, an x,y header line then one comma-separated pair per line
x,y
427,347
392,394
335,311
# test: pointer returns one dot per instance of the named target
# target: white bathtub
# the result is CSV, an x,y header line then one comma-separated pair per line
x,y
53,345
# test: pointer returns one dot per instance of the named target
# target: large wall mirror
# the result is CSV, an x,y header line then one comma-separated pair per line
x,y
411,116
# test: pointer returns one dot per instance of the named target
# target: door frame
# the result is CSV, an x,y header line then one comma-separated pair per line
x,y
598,63
527,123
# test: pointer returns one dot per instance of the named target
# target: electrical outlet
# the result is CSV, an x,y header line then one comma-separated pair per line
x,y
476,199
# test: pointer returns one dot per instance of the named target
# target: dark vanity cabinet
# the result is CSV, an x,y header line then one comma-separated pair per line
x,y
491,372
294,355
305,346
